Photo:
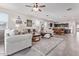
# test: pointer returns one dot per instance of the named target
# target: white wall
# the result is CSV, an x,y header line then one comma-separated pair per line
x,y
13,16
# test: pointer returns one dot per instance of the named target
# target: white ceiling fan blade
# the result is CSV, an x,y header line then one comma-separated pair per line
x,y
69,9
42,6
28,6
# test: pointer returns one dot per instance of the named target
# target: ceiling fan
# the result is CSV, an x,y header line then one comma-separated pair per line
x,y
36,7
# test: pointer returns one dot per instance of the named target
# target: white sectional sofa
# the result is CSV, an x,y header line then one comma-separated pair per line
x,y
16,43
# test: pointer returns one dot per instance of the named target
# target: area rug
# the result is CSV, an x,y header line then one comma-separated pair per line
x,y
45,46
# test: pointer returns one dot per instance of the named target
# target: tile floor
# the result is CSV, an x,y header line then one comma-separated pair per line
x,y
68,47
1,48
41,48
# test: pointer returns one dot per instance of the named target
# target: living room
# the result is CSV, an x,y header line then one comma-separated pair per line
x,y
39,32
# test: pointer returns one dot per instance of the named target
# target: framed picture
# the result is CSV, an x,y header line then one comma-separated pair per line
x,y
18,22
29,23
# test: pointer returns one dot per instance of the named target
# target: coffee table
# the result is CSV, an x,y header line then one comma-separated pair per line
x,y
36,38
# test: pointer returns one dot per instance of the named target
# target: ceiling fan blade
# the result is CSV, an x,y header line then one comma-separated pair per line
x,y
28,6
42,6
40,10
69,9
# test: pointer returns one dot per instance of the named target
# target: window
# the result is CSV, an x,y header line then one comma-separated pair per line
x,y
3,20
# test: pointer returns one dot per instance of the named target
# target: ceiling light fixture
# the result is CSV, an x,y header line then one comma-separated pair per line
x,y
18,20
36,7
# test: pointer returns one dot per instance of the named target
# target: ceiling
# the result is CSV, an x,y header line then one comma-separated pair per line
x,y
54,11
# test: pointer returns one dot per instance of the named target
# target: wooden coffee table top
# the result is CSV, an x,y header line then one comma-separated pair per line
x,y
35,37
